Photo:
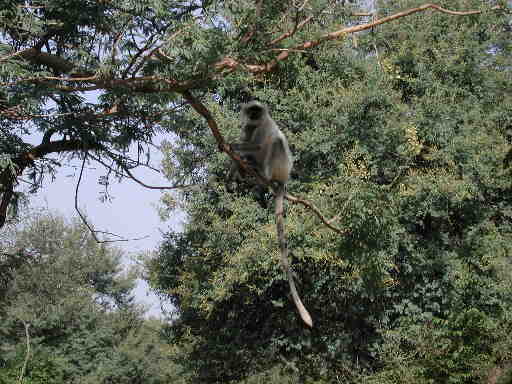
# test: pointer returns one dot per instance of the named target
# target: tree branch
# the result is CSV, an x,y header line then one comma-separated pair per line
x,y
316,211
150,84
84,219
296,28
7,194
8,179
221,143
231,64
132,176
140,84
27,355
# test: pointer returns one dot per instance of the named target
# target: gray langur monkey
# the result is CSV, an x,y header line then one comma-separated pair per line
x,y
265,147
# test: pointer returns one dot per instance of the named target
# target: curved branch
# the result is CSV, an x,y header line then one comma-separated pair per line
x,y
138,181
293,31
231,64
316,211
8,178
84,219
221,143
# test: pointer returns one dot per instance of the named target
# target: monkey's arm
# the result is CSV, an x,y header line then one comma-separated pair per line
x,y
245,147
246,151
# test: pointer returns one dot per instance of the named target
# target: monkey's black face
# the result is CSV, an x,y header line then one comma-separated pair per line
x,y
254,112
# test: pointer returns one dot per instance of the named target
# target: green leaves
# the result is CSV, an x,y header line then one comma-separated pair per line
x,y
82,323
399,138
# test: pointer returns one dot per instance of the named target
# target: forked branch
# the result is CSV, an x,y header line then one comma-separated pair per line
x,y
76,77
231,64
8,177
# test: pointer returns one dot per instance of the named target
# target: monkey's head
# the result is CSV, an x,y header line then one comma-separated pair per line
x,y
254,110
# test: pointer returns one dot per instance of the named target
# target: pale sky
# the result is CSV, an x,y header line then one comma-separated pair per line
x,y
131,213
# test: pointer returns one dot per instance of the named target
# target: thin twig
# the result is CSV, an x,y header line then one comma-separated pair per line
x,y
140,182
292,32
134,59
86,223
317,212
27,355
77,187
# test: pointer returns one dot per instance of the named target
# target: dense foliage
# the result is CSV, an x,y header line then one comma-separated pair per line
x,y
402,138
403,135
66,312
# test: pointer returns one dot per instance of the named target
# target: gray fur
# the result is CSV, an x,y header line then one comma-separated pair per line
x,y
265,146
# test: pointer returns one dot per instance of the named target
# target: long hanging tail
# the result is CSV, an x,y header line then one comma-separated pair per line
x,y
285,263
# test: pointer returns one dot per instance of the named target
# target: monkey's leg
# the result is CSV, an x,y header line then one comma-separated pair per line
x,y
233,175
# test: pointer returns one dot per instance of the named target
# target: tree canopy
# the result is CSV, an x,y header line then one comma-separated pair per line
x,y
67,313
146,61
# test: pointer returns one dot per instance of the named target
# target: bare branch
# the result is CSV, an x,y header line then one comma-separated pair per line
x,y
181,186
84,219
293,31
317,212
138,181
27,354
140,52
137,84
